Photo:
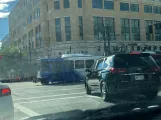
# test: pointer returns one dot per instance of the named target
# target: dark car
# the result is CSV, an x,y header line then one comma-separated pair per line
x,y
124,74
156,56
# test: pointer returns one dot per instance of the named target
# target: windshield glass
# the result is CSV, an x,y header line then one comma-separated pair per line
x,y
58,56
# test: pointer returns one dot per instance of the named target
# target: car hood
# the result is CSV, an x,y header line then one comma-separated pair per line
x,y
112,110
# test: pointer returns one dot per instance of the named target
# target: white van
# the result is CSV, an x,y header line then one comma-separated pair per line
x,y
80,62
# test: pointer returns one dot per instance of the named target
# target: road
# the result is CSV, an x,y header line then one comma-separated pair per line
x,y
33,99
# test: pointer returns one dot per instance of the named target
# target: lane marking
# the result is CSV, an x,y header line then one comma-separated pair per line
x,y
48,96
94,97
47,87
45,91
25,110
25,118
51,99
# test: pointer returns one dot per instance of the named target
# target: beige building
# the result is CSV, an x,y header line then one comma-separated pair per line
x,y
55,27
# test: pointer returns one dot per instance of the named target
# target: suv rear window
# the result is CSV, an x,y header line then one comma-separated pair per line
x,y
157,58
126,61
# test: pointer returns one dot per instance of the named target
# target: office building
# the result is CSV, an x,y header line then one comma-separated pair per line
x,y
55,27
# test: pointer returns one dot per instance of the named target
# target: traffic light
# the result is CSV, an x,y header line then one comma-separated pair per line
x,y
149,47
99,48
138,47
150,29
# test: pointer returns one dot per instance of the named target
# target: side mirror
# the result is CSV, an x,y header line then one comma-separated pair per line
x,y
88,70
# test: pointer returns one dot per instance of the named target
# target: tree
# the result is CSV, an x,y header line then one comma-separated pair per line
x,y
12,58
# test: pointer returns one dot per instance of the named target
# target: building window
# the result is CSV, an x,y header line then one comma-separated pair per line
x,y
156,10
80,27
110,26
157,31
24,25
47,7
36,14
98,27
35,2
108,4
134,7
31,41
97,4
56,4
147,24
79,3
147,8
58,29
124,6
29,20
38,35
67,28
135,29
49,31
125,29
66,4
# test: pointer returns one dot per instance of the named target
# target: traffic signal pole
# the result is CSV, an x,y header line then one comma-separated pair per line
x,y
29,51
104,41
153,33
108,35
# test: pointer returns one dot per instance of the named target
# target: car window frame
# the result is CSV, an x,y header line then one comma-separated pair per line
x,y
101,62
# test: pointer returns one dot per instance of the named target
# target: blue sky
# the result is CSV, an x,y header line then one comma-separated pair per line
x,y
5,7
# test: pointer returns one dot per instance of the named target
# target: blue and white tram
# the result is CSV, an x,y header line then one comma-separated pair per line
x,y
80,62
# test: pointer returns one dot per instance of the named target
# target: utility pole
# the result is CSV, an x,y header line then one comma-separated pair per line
x,y
104,41
70,49
29,51
20,54
153,34
109,39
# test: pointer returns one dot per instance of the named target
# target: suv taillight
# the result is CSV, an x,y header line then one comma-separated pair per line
x,y
155,69
118,70
5,92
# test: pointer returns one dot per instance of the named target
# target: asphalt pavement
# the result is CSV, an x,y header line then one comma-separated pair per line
x,y
33,99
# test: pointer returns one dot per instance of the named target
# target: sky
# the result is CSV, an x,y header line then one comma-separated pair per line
x,y
5,7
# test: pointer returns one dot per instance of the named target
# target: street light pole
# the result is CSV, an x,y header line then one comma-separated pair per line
x,y
109,38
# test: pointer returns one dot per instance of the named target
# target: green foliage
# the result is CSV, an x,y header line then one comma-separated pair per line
x,y
12,58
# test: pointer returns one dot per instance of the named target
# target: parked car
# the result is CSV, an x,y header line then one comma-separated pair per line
x,y
6,103
124,74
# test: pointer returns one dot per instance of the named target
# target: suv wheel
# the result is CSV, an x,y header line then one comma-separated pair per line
x,y
104,91
88,91
151,95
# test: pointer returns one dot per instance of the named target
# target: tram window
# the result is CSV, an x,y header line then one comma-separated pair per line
x,y
71,62
79,64
58,66
53,66
45,66
89,63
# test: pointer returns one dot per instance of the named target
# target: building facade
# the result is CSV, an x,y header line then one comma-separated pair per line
x,y
55,27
